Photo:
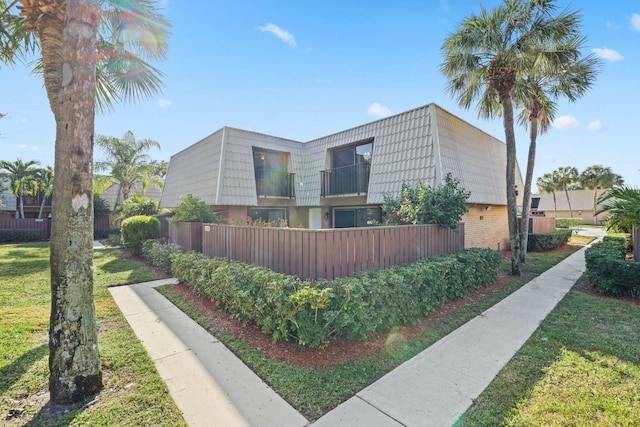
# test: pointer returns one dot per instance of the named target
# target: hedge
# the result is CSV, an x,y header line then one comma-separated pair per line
x,y
548,241
609,271
136,229
311,313
568,222
20,235
159,254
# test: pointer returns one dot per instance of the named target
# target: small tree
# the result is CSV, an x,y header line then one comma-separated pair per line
x,y
136,230
422,204
193,209
138,205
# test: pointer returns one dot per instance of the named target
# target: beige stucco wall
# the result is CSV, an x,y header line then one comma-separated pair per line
x,y
486,228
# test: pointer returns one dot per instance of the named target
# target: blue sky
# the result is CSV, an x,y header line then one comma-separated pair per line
x,y
306,69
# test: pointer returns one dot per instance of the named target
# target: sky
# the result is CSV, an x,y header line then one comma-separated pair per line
x,y
306,69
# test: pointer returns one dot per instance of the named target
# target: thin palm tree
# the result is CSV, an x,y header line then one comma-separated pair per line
x,y
598,177
565,176
44,183
485,57
548,184
102,46
622,203
127,163
22,179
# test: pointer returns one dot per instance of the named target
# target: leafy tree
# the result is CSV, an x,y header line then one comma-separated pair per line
x,y
421,204
622,202
127,163
22,179
100,205
548,184
598,177
137,205
193,209
565,176
44,183
88,69
485,57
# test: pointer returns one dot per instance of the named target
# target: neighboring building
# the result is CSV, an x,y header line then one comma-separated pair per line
x,y
110,195
581,206
339,180
9,204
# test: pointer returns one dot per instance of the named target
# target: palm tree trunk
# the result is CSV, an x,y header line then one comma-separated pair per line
x,y
595,206
512,203
566,192
555,205
44,200
74,361
21,200
526,204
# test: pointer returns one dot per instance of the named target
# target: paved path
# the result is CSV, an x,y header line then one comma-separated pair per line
x,y
214,388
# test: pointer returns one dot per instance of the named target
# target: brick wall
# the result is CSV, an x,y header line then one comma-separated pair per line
x,y
486,228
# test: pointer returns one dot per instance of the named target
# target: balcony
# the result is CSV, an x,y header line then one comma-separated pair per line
x,y
352,179
275,184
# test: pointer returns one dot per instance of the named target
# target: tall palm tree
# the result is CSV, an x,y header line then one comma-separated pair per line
x,y
127,163
485,57
22,179
565,176
44,183
598,177
622,202
77,39
566,75
15,41
548,184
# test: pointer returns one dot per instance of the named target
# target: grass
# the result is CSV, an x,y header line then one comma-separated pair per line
x,y
314,392
134,393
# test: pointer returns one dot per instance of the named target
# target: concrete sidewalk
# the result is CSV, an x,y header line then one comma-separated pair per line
x,y
214,388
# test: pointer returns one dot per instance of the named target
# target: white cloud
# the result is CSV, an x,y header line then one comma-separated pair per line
x,y
378,110
635,22
279,33
609,54
566,122
594,126
612,26
165,103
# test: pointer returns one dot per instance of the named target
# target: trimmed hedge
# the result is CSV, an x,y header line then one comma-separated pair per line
x,y
625,237
136,229
548,241
609,271
310,313
159,254
568,222
20,235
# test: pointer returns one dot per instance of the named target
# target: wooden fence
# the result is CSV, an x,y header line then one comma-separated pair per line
x,y
320,254
542,225
187,235
42,226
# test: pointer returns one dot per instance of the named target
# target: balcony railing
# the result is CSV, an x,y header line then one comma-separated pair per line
x,y
275,184
345,180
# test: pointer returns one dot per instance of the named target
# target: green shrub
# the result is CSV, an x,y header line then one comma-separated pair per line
x,y
136,229
20,235
115,238
609,271
548,241
311,313
625,237
568,222
159,254
193,209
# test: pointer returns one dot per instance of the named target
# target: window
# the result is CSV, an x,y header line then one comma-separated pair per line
x,y
347,217
271,172
268,214
349,173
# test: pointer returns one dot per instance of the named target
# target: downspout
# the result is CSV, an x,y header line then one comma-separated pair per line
x,y
435,140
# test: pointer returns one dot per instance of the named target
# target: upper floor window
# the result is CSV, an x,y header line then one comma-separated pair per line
x,y
272,173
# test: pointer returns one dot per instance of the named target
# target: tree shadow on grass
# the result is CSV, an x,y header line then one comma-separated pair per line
x,y
11,373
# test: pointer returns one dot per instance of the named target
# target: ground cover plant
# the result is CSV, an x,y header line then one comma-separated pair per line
x,y
580,368
316,380
134,394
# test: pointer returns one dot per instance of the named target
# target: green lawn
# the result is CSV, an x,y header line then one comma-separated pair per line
x,y
313,392
134,393
580,368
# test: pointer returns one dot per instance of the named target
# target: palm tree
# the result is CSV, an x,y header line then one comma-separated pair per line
x,y
623,204
598,177
484,59
566,75
565,176
127,163
15,41
44,183
77,39
548,184
22,179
